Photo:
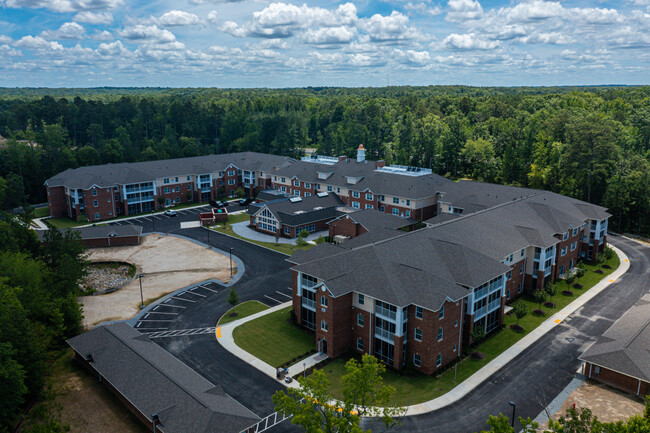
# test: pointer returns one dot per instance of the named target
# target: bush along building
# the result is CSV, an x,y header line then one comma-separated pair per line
x,y
417,297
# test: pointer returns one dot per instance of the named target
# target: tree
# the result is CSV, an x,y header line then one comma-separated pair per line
x,y
478,335
12,386
233,298
609,253
520,310
540,296
480,159
501,424
551,290
313,407
576,421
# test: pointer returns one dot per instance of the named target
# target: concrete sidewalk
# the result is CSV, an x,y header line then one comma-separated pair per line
x,y
244,231
224,336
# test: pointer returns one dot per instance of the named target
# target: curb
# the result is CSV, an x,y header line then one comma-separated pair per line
x,y
249,242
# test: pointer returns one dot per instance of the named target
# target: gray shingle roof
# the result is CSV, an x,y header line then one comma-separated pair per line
x,y
156,382
625,347
133,172
101,232
407,269
413,187
373,219
307,210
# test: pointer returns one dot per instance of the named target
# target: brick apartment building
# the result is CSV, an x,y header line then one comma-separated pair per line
x,y
416,297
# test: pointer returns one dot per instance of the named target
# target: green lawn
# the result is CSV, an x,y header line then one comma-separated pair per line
x,y
41,212
63,223
419,388
273,339
244,309
287,249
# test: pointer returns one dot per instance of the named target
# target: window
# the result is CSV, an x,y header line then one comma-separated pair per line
x,y
296,192
564,251
188,178
419,312
359,343
596,369
94,192
355,204
382,208
287,230
360,319
455,323
521,268
178,199
454,347
574,245
509,275
167,190
307,194
407,214
178,188
232,173
440,334
231,181
296,183
361,299
441,313
565,236
439,360
508,294
369,196
283,188
96,216
395,211
418,334
575,232
166,180
395,200
168,202
520,288
323,325
523,252
283,180
307,185
189,187
329,188
221,182
355,194
323,301
369,206
511,257
110,212
338,190
416,360
408,202
95,203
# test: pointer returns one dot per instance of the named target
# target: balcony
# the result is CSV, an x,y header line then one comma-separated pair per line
x,y
381,311
494,287
547,271
384,334
494,305
537,256
480,312
480,293
307,283
309,303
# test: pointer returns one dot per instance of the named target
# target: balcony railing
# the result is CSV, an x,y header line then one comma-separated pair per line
x,y
307,283
480,293
537,256
381,332
547,271
480,312
494,305
381,311
494,287
309,303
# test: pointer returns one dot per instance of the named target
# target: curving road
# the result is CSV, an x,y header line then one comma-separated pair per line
x,y
532,380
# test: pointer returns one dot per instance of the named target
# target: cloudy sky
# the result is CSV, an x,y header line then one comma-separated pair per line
x,y
264,43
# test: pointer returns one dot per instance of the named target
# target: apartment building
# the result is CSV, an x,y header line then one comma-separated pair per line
x,y
106,191
418,296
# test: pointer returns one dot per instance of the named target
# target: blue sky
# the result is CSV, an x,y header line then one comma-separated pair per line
x,y
258,43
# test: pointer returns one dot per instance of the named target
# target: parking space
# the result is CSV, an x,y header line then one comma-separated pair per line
x,y
275,297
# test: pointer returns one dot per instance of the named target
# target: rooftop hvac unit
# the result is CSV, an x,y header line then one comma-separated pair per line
x,y
295,199
322,194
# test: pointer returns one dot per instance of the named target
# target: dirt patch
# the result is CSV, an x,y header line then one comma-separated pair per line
x,y
168,263
606,403
107,277
86,405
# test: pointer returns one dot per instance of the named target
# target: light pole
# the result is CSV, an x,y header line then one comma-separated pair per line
x,y
208,236
514,406
231,262
141,297
153,219
304,369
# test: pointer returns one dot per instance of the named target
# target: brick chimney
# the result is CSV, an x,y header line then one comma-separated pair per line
x,y
380,163
342,158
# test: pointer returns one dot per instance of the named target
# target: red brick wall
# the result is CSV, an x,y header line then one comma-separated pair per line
x,y
104,206
430,347
617,380
361,200
296,300
302,188
346,227
512,285
566,259
112,242
173,195
338,317
365,332
56,201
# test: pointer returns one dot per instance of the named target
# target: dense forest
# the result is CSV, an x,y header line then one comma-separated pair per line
x,y
591,143
39,284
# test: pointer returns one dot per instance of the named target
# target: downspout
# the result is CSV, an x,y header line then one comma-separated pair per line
x,y
460,331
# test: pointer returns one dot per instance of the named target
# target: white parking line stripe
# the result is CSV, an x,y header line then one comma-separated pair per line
x,y
283,294
266,296
163,312
146,315
137,325
207,288
154,320
182,299
197,294
164,304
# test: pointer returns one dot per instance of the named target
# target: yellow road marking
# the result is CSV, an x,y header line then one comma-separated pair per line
x,y
611,281
626,260
558,320
219,332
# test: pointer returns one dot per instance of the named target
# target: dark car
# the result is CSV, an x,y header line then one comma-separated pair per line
x,y
220,203
213,203
245,201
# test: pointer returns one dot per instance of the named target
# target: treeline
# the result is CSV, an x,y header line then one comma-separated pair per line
x,y
591,143
38,309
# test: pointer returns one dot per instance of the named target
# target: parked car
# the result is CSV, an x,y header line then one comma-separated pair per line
x,y
221,203
245,201
170,212
213,203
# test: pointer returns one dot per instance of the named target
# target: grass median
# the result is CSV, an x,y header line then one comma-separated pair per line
x,y
274,339
416,388
242,310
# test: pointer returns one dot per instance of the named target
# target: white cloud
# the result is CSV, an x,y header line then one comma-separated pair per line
x,y
413,57
147,33
6,50
461,10
103,35
5,39
388,28
547,38
64,5
111,49
422,9
468,41
213,17
178,18
66,31
329,35
94,17
38,43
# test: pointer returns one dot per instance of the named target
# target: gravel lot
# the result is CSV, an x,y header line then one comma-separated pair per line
x,y
168,263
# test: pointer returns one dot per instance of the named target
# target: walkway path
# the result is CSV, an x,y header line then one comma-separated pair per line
x,y
244,231
224,336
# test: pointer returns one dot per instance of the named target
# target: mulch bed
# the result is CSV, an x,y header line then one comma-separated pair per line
x,y
599,271
549,304
538,312
477,355
233,314
567,292
577,286
516,328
